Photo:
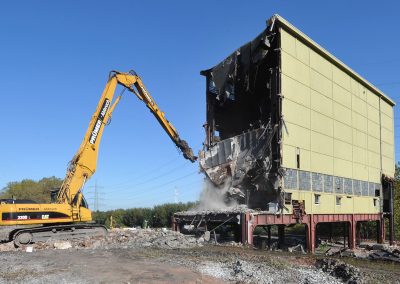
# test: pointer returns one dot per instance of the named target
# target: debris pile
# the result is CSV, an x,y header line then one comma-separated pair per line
x,y
137,238
121,238
385,252
371,251
341,270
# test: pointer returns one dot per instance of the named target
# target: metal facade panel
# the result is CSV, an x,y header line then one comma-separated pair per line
x,y
387,165
342,132
320,83
341,95
298,136
360,139
302,52
329,58
387,136
386,109
387,150
342,150
360,172
321,103
288,43
295,91
320,65
321,143
374,160
387,122
342,113
321,123
373,144
374,174
296,113
295,69
372,99
360,155
289,158
342,168
359,122
373,129
321,163
341,78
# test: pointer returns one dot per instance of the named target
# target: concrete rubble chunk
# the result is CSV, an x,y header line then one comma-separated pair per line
x,y
62,245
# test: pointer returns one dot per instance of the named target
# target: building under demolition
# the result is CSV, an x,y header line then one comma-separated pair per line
x,y
297,136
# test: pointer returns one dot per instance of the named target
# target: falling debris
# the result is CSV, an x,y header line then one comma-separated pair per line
x,y
214,198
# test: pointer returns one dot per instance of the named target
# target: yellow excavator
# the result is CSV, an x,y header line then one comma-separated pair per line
x,y
68,216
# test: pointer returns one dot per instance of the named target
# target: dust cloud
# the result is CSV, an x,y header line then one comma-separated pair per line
x,y
215,198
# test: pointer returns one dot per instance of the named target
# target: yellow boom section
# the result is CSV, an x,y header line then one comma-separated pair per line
x,y
83,164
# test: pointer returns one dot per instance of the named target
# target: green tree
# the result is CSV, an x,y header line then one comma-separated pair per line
x,y
38,191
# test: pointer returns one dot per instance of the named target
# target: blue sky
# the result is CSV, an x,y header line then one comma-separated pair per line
x,y
55,57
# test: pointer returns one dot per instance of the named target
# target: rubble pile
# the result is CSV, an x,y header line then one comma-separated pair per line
x,y
341,270
120,238
136,238
385,252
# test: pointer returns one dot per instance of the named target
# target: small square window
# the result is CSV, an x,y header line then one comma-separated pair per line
x,y
288,198
338,200
317,198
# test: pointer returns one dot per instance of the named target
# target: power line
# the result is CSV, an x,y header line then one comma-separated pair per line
x,y
150,179
146,173
151,189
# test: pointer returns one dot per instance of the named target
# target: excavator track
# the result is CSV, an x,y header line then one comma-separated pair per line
x,y
27,236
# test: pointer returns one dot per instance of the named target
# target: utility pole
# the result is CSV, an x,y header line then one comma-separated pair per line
x,y
96,197
96,192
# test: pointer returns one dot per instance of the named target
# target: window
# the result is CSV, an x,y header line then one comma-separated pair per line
x,y
338,200
377,192
298,157
288,198
317,198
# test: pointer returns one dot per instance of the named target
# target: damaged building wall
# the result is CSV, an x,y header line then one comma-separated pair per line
x,y
289,125
243,123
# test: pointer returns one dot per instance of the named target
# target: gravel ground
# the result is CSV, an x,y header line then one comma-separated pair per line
x,y
163,256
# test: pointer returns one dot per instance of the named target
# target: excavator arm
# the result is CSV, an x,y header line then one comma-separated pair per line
x,y
83,164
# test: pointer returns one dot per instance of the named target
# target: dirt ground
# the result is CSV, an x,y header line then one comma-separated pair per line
x,y
166,257
94,266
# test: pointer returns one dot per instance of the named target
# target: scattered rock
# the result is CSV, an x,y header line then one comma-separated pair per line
x,y
341,270
380,246
62,245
